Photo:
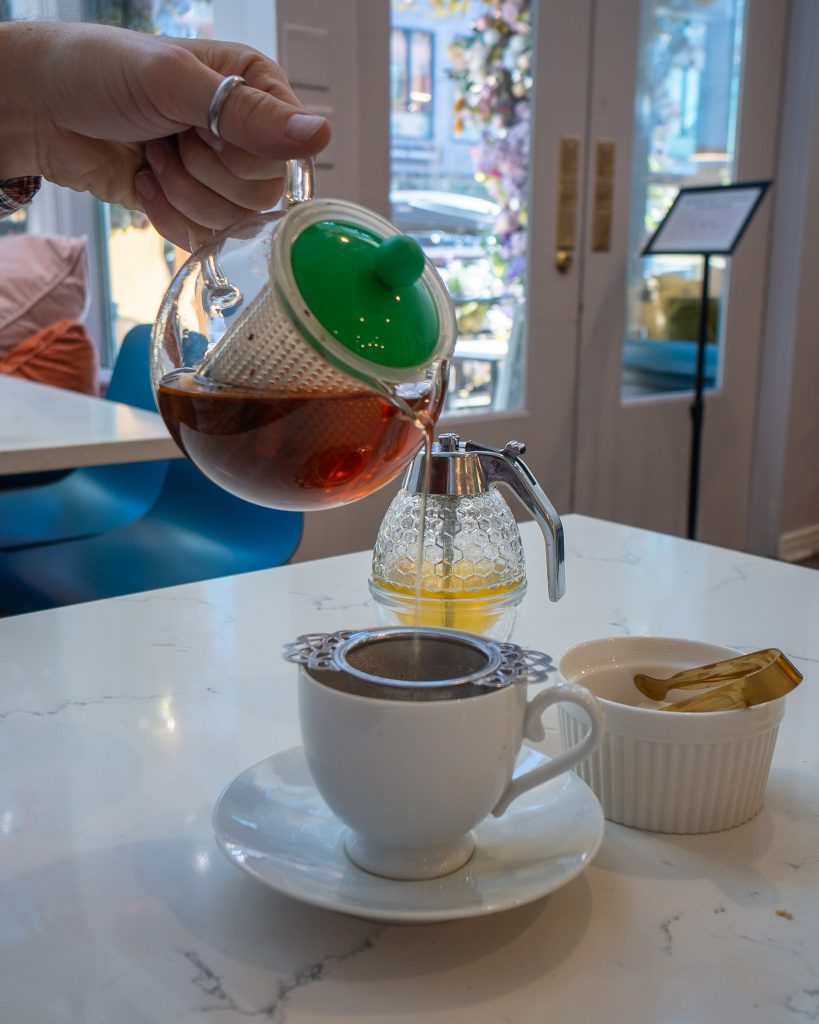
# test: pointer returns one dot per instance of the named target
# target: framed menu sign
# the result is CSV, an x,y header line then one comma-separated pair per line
x,y
704,221
707,220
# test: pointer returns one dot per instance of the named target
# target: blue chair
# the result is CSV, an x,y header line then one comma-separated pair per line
x,y
91,500
195,531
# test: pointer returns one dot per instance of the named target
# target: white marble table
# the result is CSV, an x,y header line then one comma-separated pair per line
x,y
44,428
121,721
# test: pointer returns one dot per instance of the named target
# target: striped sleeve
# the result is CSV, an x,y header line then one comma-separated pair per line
x,y
15,193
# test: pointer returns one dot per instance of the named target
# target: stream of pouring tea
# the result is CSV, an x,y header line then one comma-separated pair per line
x,y
425,423
427,429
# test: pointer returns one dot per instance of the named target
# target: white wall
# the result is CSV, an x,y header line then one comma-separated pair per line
x,y
784,504
800,498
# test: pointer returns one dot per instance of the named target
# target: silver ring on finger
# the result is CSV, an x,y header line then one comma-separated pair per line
x,y
223,90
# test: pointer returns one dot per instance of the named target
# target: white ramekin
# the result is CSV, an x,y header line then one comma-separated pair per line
x,y
667,771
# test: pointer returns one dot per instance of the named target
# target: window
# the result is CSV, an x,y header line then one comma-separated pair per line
x,y
685,124
460,87
140,263
411,61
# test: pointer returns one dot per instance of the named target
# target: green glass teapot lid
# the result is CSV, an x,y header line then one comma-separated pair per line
x,y
368,292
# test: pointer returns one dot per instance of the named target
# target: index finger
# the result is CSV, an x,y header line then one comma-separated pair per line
x,y
262,116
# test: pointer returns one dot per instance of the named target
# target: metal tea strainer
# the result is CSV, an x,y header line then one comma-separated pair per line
x,y
415,663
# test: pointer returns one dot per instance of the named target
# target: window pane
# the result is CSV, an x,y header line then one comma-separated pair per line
x,y
459,152
15,223
685,125
140,262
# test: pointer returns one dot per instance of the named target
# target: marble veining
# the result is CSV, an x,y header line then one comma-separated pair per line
x,y
326,602
668,938
210,982
66,704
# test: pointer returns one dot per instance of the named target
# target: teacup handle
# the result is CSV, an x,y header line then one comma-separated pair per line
x,y
533,730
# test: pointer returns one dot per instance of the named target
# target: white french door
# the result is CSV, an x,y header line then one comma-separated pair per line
x,y
338,62
596,446
633,453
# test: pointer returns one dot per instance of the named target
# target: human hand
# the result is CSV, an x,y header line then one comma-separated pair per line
x,y
124,115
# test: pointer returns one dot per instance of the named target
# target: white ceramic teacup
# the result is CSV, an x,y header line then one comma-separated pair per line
x,y
411,737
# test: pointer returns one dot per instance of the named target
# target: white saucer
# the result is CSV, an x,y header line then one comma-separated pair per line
x,y
271,822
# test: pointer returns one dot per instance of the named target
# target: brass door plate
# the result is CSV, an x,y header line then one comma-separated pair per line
x,y
567,189
603,196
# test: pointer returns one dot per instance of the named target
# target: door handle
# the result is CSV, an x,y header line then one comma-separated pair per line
x,y
567,188
603,196
563,261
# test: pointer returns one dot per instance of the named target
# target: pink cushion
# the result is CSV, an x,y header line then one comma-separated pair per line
x,y
43,279
62,355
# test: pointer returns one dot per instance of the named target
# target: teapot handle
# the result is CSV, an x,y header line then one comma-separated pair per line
x,y
299,181
299,187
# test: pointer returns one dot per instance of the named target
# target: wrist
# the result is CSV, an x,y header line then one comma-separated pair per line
x,y
20,45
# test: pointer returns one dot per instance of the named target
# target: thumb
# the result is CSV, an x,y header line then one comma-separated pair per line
x,y
256,121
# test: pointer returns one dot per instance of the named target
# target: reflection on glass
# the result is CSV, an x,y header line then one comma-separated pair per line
x,y
685,132
411,83
399,83
460,75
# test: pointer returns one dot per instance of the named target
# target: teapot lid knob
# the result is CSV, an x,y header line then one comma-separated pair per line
x,y
398,261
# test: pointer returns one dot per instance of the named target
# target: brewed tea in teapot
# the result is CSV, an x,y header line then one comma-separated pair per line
x,y
299,356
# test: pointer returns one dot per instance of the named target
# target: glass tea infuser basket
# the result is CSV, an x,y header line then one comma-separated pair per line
x,y
296,355
472,569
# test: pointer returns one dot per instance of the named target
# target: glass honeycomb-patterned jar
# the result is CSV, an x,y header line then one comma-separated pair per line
x,y
472,571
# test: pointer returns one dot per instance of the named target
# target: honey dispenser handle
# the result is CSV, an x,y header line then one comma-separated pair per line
x,y
505,468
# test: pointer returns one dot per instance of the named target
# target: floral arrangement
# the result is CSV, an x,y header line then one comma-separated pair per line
x,y
492,69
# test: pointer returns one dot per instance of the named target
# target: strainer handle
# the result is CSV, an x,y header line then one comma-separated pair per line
x,y
299,181
316,650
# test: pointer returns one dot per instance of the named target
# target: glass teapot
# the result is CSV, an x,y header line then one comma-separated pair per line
x,y
472,571
297,356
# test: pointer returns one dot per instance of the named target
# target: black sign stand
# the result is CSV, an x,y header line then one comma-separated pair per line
x,y
705,221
